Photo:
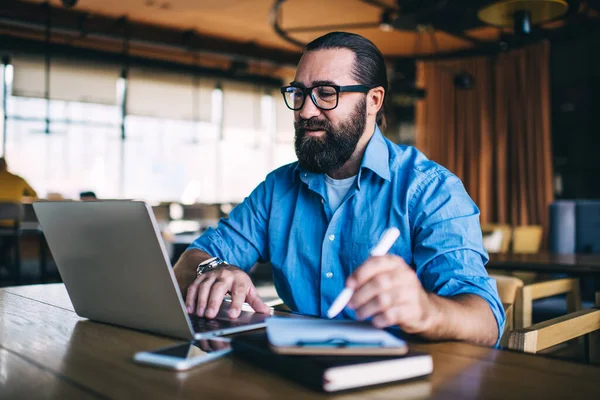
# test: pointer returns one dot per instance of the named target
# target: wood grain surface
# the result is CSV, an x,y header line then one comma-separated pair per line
x,y
43,340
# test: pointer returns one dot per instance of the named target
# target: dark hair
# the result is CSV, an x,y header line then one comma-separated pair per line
x,y
369,65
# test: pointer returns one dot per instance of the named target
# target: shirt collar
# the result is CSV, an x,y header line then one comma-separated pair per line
x,y
376,158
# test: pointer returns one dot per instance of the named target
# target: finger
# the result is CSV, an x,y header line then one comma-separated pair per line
x,y
203,344
203,293
386,281
377,304
190,296
375,266
254,300
387,318
238,295
210,344
219,345
217,293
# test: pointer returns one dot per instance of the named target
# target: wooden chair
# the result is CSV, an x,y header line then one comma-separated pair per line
x,y
528,239
506,231
556,331
508,289
542,290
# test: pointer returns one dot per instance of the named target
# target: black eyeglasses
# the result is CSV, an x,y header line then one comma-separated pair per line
x,y
325,97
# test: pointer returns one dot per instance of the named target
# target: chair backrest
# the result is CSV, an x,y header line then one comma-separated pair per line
x,y
504,230
11,211
508,287
527,239
555,331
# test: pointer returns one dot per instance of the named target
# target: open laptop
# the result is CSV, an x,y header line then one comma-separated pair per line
x,y
116,270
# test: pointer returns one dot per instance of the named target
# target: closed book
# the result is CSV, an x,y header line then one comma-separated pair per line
x,y
332,373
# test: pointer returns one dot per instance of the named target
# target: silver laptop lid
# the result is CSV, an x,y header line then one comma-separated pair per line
x,y
114,264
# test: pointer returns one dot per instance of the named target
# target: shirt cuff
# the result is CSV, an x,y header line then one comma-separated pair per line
x,y
213,244
483,287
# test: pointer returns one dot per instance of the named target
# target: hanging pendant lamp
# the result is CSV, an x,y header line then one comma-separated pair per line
x,y
522,14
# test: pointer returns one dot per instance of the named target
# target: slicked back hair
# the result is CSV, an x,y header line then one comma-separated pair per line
x,y
369,64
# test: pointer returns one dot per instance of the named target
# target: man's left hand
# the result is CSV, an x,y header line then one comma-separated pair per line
x,y
388,290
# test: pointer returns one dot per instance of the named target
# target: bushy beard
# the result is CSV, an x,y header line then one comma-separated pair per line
x,y
331,150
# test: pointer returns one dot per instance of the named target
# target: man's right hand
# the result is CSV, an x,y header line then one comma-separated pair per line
x,y
206,293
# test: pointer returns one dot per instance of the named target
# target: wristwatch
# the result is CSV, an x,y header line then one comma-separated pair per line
x,y
209,264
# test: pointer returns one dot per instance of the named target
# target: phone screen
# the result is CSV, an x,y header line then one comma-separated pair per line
x,y
195,349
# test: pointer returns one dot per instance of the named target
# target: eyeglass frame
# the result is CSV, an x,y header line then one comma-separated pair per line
x,y
308,92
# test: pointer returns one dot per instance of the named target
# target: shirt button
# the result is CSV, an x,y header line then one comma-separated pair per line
x,y
331,237
323,201
329,274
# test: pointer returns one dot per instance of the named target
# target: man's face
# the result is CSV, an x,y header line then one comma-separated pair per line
x,y
325,140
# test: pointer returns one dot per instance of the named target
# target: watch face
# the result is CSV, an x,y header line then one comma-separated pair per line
x,y
207,262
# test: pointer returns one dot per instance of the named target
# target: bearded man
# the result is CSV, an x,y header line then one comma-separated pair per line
x,y
316,220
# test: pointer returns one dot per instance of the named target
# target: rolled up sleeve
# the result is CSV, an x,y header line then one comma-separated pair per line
x,y
449,257
240,239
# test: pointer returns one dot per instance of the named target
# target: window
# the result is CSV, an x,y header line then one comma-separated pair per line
x,y
165,159
186,140
79,152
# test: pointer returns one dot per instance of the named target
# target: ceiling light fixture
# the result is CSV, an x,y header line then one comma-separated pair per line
x,y
386,21
521,15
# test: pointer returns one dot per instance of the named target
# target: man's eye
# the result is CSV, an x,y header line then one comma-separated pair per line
x,y
326,93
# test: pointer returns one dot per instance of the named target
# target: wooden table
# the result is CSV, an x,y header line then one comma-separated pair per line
x,y
583,265
577,264
47,351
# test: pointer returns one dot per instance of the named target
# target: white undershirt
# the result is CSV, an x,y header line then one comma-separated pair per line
x,y
336,190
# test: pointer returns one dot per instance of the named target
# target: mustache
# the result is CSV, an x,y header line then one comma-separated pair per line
x,y
312,124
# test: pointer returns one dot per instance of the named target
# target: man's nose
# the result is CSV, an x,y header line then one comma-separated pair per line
x,y
309,109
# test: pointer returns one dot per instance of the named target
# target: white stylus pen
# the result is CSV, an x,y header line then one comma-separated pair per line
x,y
388,238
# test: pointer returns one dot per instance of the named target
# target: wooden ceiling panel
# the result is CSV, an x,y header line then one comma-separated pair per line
x,y
248,20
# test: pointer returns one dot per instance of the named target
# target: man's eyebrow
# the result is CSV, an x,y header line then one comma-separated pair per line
x,y
314,83
327,82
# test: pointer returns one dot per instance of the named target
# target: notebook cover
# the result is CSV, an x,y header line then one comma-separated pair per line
x,y
309,370
331,337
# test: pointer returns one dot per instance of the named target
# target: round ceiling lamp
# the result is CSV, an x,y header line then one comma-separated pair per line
x,y
522,14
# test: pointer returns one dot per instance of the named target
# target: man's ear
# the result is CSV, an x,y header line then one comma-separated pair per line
x,y
375,100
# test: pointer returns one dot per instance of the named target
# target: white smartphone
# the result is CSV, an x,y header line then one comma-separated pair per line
x,y
185,355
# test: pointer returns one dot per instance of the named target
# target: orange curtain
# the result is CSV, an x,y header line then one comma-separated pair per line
x,y
495,136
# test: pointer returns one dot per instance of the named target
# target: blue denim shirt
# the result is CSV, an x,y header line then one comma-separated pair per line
x,y
286,220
